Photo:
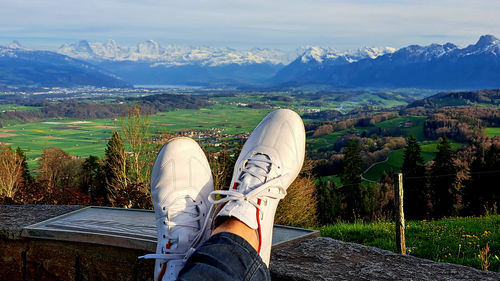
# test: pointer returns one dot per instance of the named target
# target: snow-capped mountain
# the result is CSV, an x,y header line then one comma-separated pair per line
x,y
487,44
171,55
434,66
23,67
317,54
445,66
314,57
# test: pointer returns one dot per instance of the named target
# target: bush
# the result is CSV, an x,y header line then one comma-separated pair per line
x,y
299,207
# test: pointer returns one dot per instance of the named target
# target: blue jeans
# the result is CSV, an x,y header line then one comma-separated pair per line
x,y
225,256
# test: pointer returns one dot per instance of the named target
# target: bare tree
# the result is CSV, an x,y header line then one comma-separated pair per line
x,y
10,171
135,130
222,169
299,207
58,169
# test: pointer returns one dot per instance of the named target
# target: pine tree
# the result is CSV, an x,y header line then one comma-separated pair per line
x,y
92,179
481,193
115,169
491,186
328,201
26,175
351,181
472,193
414,185
442,181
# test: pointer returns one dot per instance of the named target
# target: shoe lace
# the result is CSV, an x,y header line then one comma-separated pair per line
x,y
184,212
257,167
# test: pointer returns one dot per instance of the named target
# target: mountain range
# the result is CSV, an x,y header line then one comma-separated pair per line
x,y
435,66
438,66
21,67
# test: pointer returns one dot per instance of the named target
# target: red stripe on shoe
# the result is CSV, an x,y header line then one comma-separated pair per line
x,y
258,227
164,266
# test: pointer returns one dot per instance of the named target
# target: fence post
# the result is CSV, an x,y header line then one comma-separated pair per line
x,y
400,216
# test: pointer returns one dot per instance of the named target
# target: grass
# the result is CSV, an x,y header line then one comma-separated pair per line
x,y
325,141
89,137
232,119
395,160
492,132
417,129
12,107
453,240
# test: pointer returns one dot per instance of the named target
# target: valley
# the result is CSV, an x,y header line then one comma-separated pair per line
x,y
218,119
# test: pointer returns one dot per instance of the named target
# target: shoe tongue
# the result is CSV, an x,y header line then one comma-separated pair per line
x,y
250,180
181,242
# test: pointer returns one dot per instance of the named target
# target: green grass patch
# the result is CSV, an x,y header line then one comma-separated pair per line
x,y
407,125
89,137
231,119
325,141
395,160
492,132
453,240
15,107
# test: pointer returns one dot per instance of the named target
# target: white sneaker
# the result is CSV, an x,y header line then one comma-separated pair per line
x,y
181,182
269,162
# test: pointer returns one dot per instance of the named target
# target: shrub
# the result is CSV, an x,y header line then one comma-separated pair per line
x,y
299,207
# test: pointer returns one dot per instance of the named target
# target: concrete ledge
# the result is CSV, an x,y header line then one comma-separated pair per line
x,y
39,259
23,258
13,218
328,259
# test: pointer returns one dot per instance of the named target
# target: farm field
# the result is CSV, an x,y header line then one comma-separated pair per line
x,y
492,132
9,107
395,160
453,240
415,125
89,137
343,101
324,142
416,128
230,118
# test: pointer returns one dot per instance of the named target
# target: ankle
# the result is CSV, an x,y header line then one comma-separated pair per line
x,y
235,226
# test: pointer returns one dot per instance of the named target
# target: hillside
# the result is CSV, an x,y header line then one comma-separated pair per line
x,y
482,97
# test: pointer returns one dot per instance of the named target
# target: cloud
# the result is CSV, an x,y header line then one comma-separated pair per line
x,y
237,23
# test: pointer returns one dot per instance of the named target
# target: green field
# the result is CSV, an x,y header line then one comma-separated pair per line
x,y
325,141
416,128
492,132
230,118
12,107
453,240
89,137
395,160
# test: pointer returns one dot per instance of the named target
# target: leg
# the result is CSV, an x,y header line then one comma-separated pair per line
x,y
240,246
180,184
268,163
225,257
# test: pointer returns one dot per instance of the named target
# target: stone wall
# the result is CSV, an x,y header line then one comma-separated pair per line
x,y
328,259
55,260
35,259
313,259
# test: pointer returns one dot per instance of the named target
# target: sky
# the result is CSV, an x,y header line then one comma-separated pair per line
x,y
281,24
